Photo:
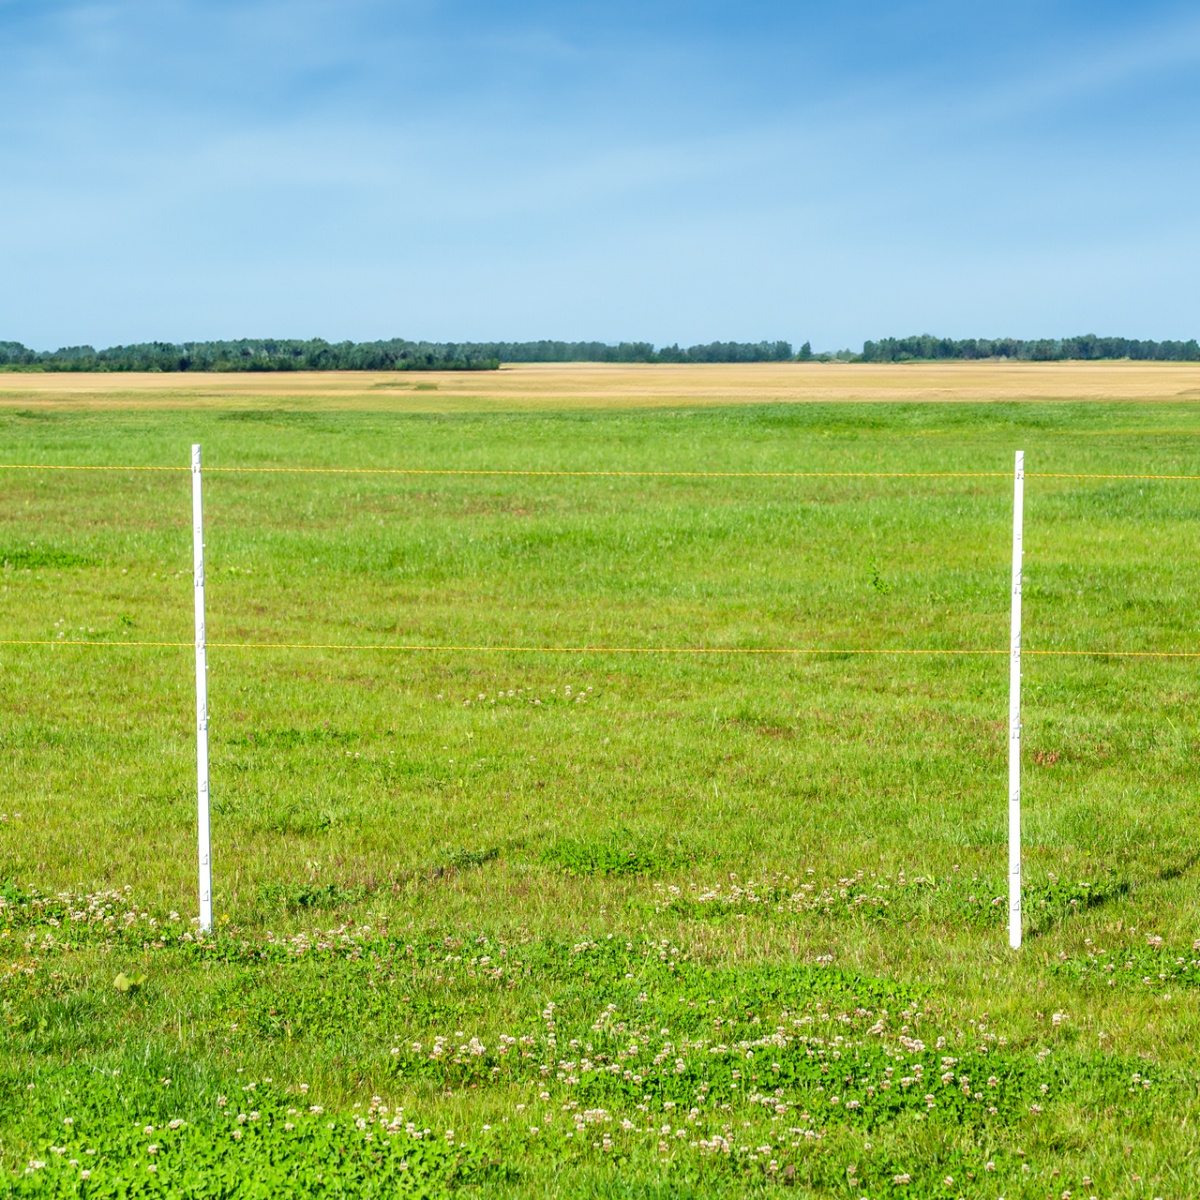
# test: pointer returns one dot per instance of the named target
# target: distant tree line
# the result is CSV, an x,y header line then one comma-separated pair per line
x,y
396,354
254,354
1087,347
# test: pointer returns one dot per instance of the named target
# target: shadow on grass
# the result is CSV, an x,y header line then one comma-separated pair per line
x,y
1052,904
1180,868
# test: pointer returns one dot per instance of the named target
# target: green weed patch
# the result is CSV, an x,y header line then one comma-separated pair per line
x,y
641,1059
35,558
1152,968
954,899
627,1055
465,860
309,895
617,853
99,1134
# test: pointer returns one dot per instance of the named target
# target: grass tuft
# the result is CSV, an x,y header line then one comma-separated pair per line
x,y
615,853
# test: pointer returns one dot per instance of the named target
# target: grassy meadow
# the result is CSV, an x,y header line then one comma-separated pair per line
x,y
526,922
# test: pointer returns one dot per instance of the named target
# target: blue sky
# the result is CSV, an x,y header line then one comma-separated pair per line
x,y
178,169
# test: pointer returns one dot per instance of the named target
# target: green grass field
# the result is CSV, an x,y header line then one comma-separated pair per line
x,y
560,924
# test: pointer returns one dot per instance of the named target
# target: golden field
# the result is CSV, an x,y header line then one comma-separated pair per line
x,y
597,385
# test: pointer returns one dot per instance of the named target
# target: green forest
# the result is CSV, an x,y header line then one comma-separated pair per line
x,y
1087,347
399,354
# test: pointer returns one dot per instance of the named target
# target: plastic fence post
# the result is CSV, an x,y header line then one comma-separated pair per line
x,y
202,824
1014,713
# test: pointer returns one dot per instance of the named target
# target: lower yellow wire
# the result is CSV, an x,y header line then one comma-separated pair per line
x,y
405,648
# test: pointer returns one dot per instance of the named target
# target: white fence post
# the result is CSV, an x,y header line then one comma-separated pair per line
x,y
1014,713
202,824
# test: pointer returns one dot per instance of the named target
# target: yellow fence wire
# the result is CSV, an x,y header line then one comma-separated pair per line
x,y
409,648
499,471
